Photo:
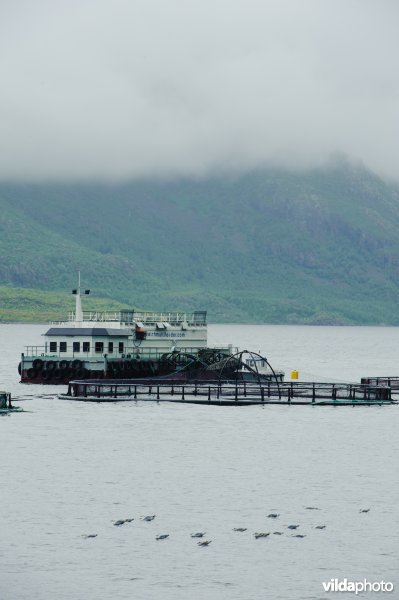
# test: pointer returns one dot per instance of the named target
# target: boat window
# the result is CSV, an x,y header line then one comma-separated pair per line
x,y
120,346
63,346
86,346
76,346
110,346
53,346
99,346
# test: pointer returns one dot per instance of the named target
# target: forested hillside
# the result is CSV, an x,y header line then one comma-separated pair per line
x,y
267,246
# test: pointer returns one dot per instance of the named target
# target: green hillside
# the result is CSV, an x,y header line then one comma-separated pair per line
x,y
29,305
267,246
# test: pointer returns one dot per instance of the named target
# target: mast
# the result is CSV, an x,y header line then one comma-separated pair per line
x,y
78,308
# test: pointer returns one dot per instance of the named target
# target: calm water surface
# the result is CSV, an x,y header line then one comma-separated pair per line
x,y
70,469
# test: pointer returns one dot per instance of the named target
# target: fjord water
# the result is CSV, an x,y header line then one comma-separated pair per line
x,y
70,469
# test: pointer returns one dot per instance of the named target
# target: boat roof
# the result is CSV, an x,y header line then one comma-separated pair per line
x,y
88,331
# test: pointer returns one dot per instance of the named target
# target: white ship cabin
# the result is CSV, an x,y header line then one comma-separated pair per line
x,y
86,342
125,333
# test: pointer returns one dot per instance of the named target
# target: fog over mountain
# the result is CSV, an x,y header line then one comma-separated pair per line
x,y
132,88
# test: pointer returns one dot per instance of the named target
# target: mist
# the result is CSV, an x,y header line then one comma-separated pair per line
x,y
132,88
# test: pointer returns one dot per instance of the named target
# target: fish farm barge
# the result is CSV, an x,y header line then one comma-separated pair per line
x,y
229,393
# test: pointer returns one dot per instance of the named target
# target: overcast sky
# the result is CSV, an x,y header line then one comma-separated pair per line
x,y
128,88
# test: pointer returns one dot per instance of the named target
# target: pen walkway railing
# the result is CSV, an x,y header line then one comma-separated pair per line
x,y
229,393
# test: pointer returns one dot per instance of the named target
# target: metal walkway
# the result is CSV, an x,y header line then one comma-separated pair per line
x,y
239,393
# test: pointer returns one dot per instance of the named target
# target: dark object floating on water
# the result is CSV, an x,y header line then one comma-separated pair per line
x,y
90,535
293,526
239,529
204,543
122,521
6,405
299,535
320,526
162,537
261,535
312,508
200,534
364,510
278,533
273,516
148,518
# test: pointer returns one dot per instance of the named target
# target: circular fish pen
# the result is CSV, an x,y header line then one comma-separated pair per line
x,y
226,393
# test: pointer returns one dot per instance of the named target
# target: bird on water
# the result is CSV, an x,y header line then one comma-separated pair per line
x,y
122,521
239,529
261,535
162,537
200,534
148,518
293,526
204,543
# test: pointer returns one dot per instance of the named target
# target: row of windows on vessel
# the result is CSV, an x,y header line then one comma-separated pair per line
x,y
76,346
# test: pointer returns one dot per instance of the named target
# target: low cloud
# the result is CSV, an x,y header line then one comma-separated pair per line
x,y
132,88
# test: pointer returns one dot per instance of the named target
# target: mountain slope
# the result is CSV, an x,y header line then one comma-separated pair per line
x,y
273,246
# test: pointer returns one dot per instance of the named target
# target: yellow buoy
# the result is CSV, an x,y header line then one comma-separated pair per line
x,y
294,374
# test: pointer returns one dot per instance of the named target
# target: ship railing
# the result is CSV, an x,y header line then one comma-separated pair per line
x,y
44,351
159,350
197,318
156,351
128,352
35,351
97,316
